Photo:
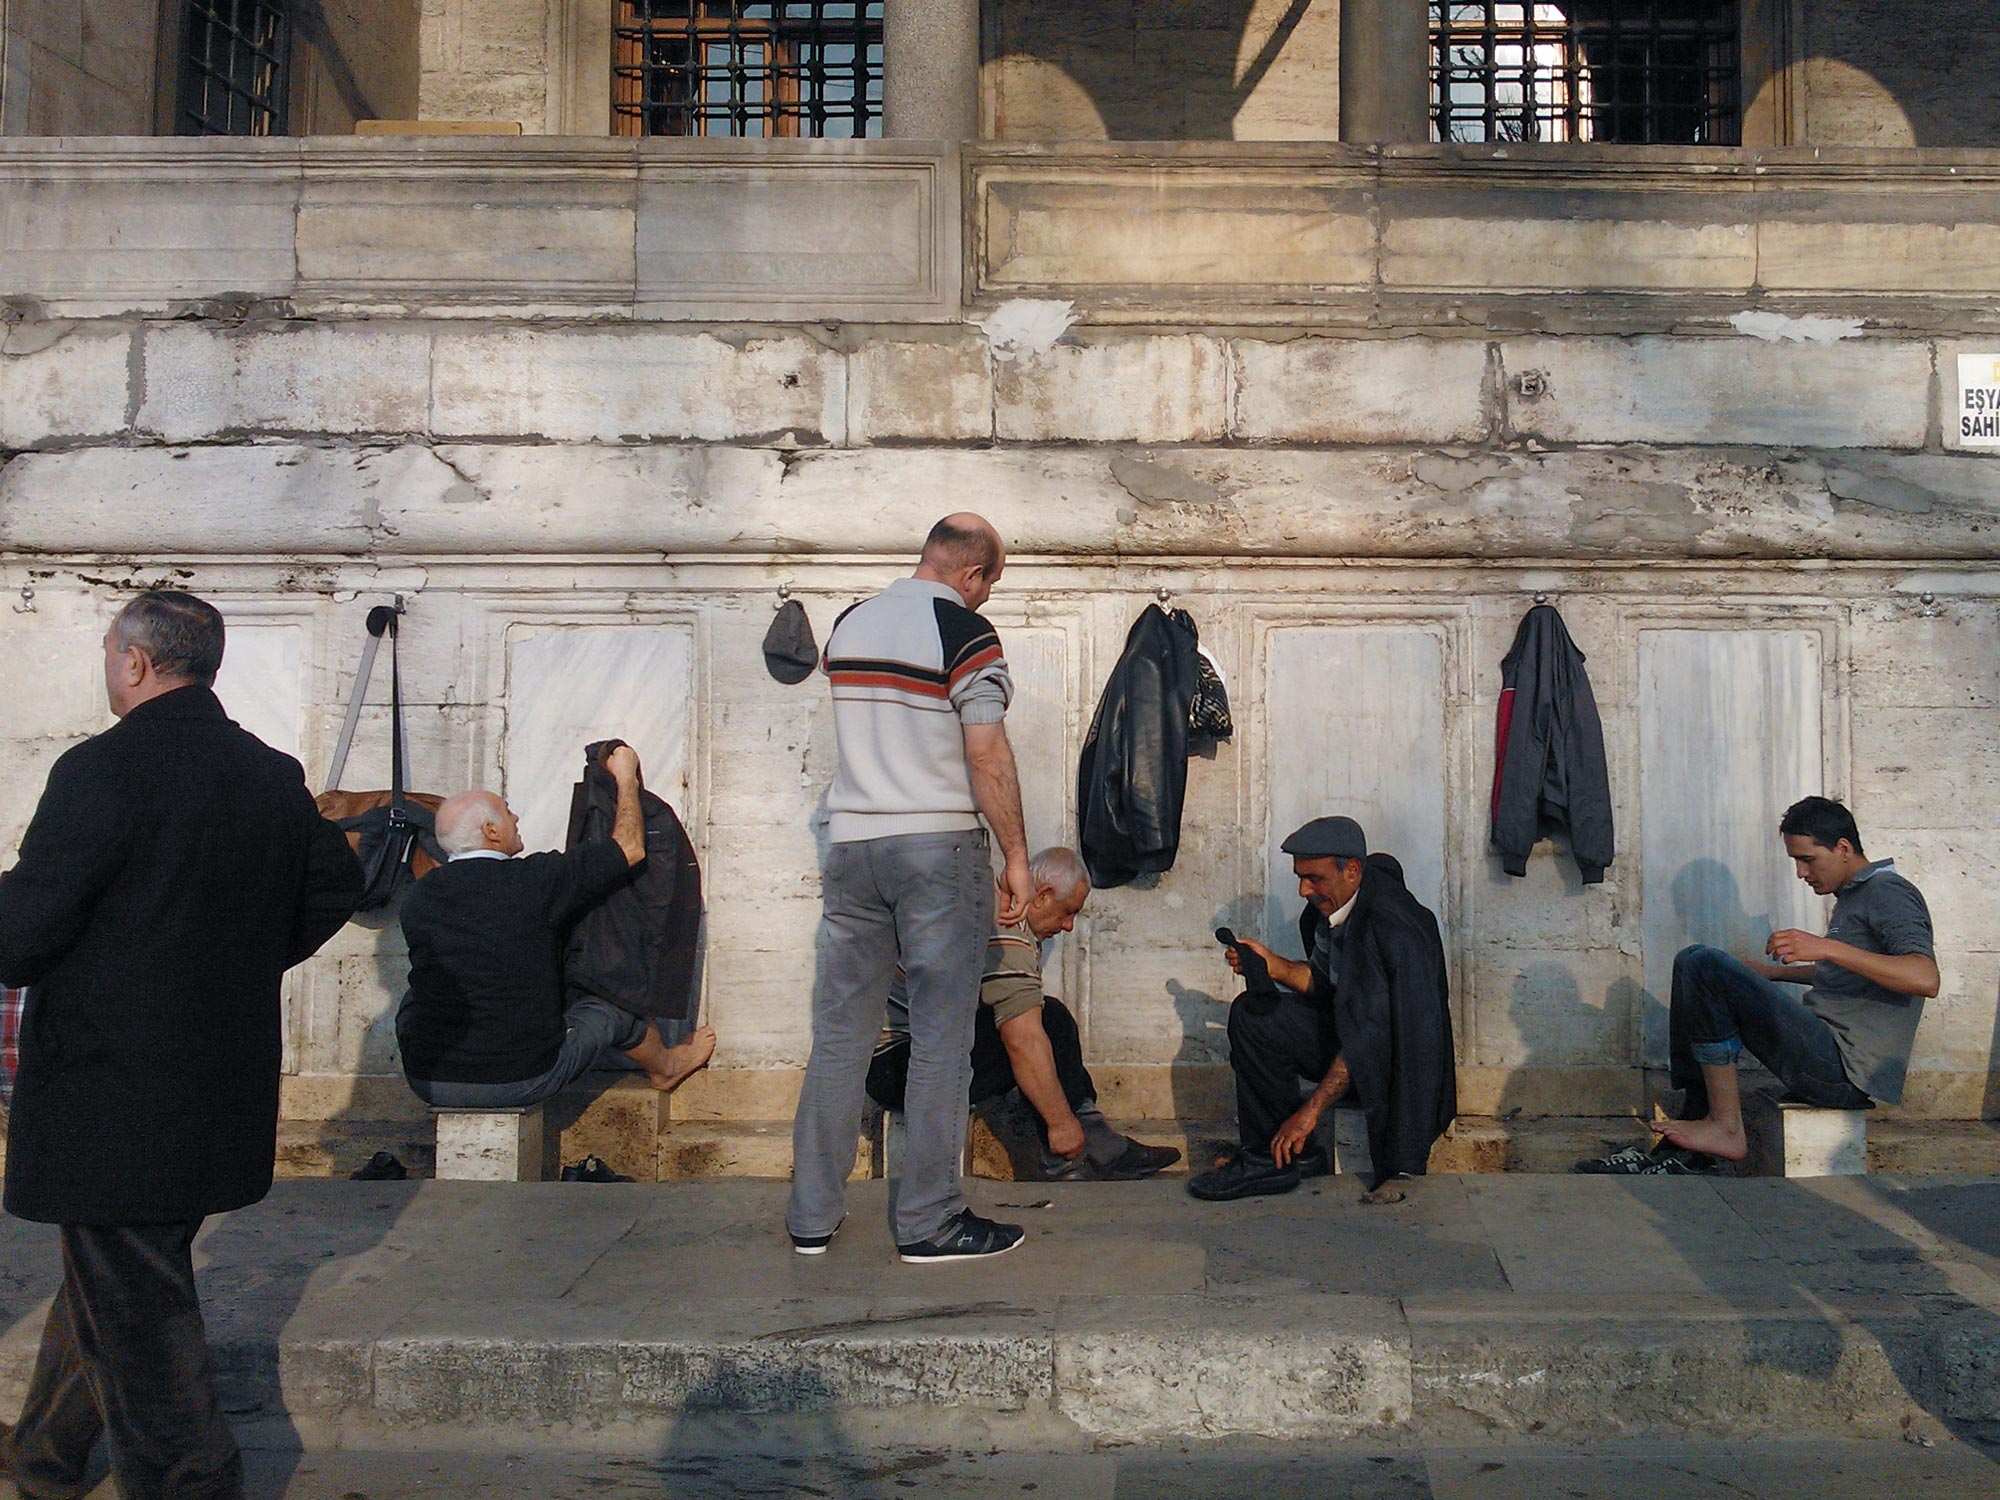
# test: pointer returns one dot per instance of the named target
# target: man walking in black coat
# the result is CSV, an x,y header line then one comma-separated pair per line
x,y
175,868
1367,1014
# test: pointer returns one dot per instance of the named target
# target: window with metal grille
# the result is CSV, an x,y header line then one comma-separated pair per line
x,y
235,58
1650,72
723,67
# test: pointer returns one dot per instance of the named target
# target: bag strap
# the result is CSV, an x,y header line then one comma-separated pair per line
x,y
382,617
399,770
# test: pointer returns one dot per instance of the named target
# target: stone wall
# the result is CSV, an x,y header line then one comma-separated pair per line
x,y
590,493
1901,73
79,67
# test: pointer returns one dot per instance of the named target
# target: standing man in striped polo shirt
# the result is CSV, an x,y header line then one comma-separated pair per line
x,y
920,694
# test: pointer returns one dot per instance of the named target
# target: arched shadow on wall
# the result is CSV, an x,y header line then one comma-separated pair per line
x,y
1177,75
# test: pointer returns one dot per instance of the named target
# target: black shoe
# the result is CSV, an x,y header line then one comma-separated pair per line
x,y
381,1167
1630,1162
1078,1168
1139,1160
1247,1174
592,1169
967,1237
1678,1162
815,1244
1314,1161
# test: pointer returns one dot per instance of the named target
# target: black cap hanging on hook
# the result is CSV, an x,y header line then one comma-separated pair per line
x,y
790,652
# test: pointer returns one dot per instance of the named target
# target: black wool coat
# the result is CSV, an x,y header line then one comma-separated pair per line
x,y
175,868
1392,1008
639,947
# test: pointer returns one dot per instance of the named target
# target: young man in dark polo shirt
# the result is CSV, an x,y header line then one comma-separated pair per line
x,y
1844,1044
482,1025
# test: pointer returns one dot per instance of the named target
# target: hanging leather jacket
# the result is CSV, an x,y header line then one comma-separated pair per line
x,y
638,948
1549,770
1132,775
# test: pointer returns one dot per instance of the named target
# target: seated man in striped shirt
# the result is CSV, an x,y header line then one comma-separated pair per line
x,y
1027,1040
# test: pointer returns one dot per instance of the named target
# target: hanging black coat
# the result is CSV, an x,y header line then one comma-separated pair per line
x,y
1549,770
1391,1005
638,947
1133,772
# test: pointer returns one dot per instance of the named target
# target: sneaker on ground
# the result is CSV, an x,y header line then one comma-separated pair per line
x,y
1627,1163
815,1244
381,1167
967,1237
1069,1169
1246,1174
1678,1163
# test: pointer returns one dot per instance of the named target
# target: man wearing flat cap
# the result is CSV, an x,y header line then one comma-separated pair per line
x,y
1367,1014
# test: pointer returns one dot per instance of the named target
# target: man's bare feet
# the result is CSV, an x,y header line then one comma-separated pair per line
x,y
676,1065
1710,1137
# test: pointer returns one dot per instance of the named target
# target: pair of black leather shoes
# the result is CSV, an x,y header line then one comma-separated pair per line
x,y
1253,1174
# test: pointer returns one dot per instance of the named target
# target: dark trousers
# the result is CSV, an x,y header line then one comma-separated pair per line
x,y
1720,1006
1272,1045
124,1355
992,1069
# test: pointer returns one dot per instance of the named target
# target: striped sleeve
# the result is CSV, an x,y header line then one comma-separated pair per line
x,y
975,669
1012,985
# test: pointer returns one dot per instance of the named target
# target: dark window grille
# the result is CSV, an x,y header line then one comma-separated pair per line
x,y
235,58
1647,72
722,67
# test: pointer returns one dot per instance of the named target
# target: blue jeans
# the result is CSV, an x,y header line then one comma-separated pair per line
x,y
595,1029
1721,1006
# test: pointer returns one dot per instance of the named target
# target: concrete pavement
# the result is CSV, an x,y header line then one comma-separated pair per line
x,y
1508,1307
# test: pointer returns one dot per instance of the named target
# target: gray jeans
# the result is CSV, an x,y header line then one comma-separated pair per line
x,y
926,898
596,1029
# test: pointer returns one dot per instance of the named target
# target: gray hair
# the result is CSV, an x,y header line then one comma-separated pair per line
x,y
1059,869
461,820
180,634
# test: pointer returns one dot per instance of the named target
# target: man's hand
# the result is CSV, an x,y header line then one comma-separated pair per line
x,y
623,763
1289,972
1295,1134
1065,1136
1014,890
1788,945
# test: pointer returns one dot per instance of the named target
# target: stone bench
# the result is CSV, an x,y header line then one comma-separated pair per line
x,y
1798,1140
489,1145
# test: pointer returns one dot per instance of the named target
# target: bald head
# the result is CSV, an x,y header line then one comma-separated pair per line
x,y
964,553
477,820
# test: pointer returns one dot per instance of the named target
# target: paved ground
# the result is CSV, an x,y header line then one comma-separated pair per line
x,y
631,1319
1605,1471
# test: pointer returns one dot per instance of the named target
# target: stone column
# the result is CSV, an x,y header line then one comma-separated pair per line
x,y
1385,51
930,69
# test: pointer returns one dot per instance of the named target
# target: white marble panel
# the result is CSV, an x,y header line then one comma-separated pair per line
x,y
1355,726
262,681
570,684
1729,737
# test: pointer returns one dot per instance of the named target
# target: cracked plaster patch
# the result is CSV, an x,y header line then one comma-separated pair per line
x,y
1027,325
1774,327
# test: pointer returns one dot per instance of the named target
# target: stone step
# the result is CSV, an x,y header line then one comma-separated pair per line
x,y
618,1129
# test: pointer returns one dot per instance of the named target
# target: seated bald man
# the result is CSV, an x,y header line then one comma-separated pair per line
x,y
482,1025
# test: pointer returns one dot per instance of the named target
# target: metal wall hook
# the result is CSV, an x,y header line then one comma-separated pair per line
x,y
1541,598
1929,608
27,604
784,594
1163,594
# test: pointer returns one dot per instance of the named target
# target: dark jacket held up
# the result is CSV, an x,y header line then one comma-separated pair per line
x,y
1391,1005
1549,770
638,947
175,868
1132,775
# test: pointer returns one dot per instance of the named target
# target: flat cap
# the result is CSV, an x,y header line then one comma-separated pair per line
x,y
1328,838
789,649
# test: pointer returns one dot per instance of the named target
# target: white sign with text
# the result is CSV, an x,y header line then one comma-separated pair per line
x,y
1979,400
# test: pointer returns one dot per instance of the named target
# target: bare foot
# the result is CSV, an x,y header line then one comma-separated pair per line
x,y
676,1065
1389,1192
1710,1137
